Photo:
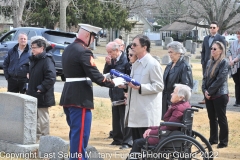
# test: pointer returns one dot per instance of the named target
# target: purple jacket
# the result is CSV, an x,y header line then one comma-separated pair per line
x,y
173,114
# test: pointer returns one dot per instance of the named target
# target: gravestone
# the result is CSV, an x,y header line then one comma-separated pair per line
x,y
184,44
159,42
166,59
195,86
187,59
53,147
167,41
188,45
194,47
18,122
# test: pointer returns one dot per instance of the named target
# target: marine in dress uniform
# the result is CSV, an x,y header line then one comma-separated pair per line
x,y
77,95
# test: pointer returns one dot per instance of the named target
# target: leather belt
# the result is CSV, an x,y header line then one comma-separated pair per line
x,y
77,79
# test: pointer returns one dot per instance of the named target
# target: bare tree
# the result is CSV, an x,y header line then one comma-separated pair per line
x,y
134,6
225,12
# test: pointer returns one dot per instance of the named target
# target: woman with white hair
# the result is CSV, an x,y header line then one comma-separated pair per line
x,y
180,102
177,71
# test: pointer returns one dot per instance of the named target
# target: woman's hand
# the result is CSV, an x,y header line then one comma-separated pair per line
x,y
146,133
206,95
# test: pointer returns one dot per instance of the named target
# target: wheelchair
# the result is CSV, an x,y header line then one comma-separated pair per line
x,y
183,144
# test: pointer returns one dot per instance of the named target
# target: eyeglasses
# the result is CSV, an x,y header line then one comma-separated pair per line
x,y
212,27
214,49
134,45
130,55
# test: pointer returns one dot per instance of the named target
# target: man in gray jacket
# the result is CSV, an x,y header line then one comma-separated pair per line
x,y
144,103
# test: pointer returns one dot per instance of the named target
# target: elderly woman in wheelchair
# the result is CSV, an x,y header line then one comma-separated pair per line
x,y
155,137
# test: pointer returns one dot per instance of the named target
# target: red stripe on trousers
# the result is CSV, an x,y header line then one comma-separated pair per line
x,y
81,133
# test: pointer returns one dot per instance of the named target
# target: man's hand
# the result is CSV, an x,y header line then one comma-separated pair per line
x,y
133,86
118,81
108,59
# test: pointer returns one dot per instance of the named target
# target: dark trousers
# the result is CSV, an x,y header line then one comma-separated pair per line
x,y
165,102
79,121
17,85
137,133
136,148
236,79
216,109
121,134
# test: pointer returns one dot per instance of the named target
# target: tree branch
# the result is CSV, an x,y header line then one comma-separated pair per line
x,y
193,23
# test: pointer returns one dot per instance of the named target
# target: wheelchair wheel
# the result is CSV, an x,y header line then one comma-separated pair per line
x,y
205,143
178,147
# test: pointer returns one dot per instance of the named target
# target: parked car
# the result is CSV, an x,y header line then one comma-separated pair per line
x,y
59,40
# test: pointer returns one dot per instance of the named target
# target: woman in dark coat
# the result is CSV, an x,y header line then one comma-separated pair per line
x,y
42,76
215,90
177,71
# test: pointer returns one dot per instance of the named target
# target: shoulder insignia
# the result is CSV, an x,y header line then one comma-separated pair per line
x,y
92,62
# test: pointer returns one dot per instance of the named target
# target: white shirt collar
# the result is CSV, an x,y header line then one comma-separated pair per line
x,y
142,59
119,56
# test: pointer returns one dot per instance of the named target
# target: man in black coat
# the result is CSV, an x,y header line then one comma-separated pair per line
x,y
42,77
16,65
77,96
117,59
207,44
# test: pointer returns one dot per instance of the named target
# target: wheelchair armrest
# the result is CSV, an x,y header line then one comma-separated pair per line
x,y
192,109
173,124
151,136
197,106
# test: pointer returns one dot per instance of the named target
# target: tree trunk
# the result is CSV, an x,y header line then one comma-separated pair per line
x,y
63,8
18,6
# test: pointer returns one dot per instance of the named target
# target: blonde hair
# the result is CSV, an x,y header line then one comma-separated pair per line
x,y
222,56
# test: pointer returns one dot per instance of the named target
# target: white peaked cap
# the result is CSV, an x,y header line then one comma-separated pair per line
x,y
90,28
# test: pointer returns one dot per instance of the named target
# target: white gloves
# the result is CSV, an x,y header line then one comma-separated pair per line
x,y
107,75
118,81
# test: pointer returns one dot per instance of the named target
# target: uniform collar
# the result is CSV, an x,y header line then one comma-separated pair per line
x,y
80,41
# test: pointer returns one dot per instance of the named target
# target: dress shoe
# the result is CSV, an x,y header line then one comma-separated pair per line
x,y
202,102
116,143
124,146
220,145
